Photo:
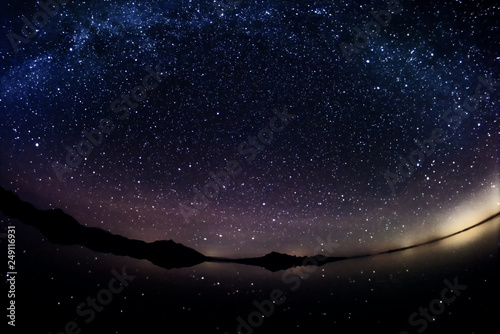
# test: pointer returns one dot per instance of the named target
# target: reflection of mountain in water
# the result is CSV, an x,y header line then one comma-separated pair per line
x,y
277,261
61,228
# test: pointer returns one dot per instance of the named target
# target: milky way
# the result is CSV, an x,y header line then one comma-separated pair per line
x,y
240,127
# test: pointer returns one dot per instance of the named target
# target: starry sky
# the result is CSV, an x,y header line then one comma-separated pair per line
x,y
239,127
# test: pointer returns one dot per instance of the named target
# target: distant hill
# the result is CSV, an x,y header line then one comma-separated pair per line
x,y
277,261
61,228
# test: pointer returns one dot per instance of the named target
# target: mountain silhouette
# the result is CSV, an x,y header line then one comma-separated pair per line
x,y
60,228
275,261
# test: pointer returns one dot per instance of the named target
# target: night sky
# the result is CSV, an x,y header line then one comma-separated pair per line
x,y
239,128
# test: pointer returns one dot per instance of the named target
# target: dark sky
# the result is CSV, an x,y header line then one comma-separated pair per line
x,y
238,128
